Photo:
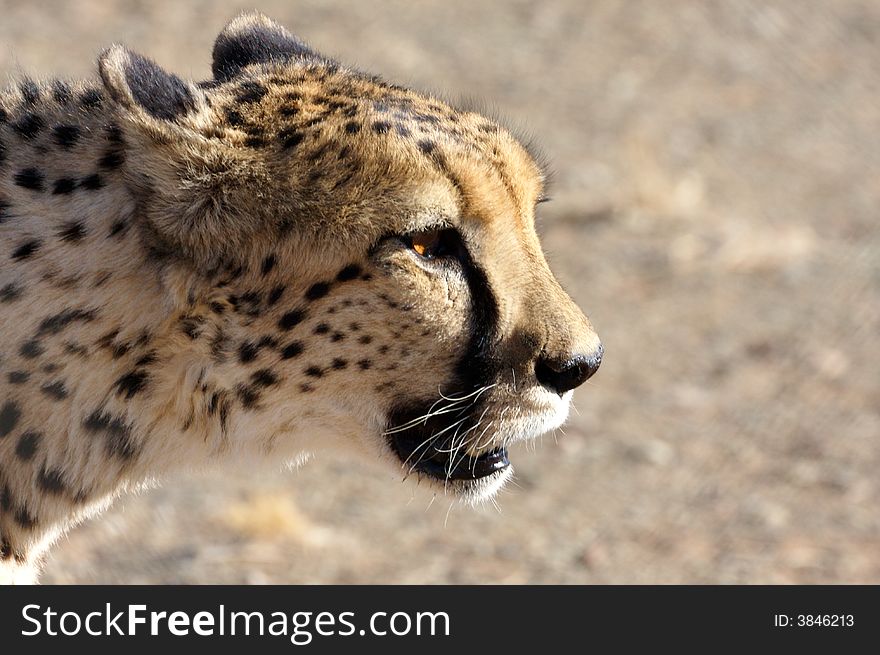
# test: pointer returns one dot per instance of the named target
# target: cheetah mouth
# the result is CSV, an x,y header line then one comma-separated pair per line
x,y
443,462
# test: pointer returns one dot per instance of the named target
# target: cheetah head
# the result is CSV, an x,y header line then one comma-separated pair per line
x,y
365,256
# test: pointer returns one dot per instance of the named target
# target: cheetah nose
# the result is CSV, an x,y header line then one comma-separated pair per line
x,y
562,376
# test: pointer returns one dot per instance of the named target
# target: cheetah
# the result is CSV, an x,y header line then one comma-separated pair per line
x,y
289,258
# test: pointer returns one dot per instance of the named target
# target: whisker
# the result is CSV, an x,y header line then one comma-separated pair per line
x,y
448,512
473,393
422,419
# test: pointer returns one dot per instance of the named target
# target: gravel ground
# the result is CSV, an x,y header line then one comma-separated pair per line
x,y
714,212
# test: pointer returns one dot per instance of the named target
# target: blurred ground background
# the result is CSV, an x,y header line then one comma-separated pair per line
x,y
715,212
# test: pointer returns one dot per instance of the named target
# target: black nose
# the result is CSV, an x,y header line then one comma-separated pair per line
x,y
565,376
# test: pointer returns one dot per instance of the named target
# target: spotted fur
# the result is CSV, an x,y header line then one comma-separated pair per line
x,y
194,273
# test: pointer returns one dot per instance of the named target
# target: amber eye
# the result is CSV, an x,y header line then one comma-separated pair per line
x,y
426,243
433,244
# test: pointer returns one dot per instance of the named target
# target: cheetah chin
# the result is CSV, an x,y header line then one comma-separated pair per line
x,y
290,257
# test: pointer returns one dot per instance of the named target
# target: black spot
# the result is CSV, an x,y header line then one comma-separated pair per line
x,y
337,337
366,277
72,231
63,185
314,121
119,439
267,341
318,290
426,146
248,396
290,319
51,481
251,92
10,292
426,118
27,445
61,92
75,349
97,422
234,271
248,352
117,228
212,403
57,322
381,127
275,295
29,125
314,372
365,339
217,307
269,264
91,98
55,390
350,272
234,118
132,383
106,340
190,326
9,415
224,413
364,364
24,518
66,135
352,127
321,328
290,139
339,364
146,360
25,250
5,499
92,182
18,377
292,350
112,159
30,92
31,349
30,178
264,378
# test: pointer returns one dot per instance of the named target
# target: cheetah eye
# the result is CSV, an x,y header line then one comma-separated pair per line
x,y
435,244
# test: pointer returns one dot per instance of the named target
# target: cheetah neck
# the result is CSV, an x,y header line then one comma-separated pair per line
x,y
90,317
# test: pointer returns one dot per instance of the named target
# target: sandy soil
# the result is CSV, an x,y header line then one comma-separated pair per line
x,y
714,211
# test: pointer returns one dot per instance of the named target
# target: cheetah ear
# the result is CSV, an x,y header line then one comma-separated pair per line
x,y
252,38
138,83
201,199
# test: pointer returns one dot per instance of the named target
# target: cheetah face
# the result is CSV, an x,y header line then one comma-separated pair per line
x,y
388,287
497,331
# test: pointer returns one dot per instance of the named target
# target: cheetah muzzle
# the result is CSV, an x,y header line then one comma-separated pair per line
x,y
291,257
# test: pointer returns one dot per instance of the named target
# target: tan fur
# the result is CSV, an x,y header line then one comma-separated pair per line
x,y
154,326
